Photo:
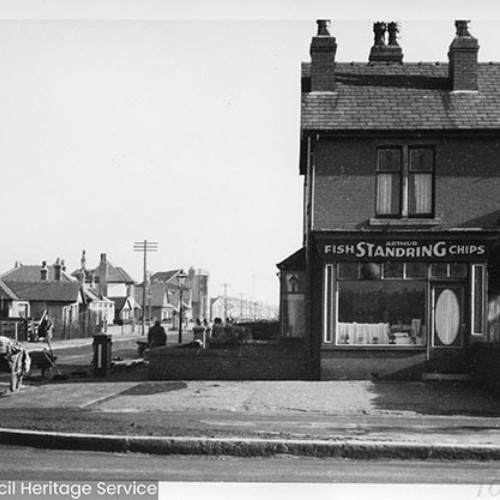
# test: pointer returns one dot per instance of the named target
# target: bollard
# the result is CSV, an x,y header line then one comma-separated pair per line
x,y
102,354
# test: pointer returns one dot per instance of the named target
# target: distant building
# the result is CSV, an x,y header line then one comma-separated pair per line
x,y
158,306
27,291
241,309
108,281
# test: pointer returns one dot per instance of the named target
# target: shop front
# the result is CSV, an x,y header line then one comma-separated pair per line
x,y
398,304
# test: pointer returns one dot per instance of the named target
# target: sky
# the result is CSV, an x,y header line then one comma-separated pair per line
x,y
177,123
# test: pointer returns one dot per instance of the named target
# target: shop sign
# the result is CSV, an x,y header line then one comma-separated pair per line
x,y
407,250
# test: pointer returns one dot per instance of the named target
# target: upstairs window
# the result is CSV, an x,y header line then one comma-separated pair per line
x,y
405,182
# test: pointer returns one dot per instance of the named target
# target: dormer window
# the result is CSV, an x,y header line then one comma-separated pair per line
x,y
405,182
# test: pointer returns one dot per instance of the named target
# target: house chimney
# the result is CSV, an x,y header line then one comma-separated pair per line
x,y
323,49
44,271
386,51
462,57
57,270
103,275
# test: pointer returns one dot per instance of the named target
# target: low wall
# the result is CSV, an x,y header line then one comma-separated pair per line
x,y
484,365
239,363
389,363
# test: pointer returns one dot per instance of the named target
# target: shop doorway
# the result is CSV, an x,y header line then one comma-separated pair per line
x,y
447,315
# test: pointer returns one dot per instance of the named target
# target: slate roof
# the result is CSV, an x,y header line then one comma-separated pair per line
x,y
115,274
164,276
157,290
295,261
119,302
46,291
409,96
6,292
32,273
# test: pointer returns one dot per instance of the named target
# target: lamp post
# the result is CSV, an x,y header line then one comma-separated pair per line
x,y
181,280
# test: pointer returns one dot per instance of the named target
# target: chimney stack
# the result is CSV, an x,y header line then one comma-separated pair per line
x,y
462,57
44,271
103,276
57,270
323,49
386,49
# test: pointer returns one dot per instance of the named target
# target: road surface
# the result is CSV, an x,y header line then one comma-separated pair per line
x,y
21,463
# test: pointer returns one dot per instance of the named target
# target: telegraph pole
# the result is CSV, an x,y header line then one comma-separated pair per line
x,y
225,285
145,247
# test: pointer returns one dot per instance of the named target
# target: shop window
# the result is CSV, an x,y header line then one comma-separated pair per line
x,y
416,270
405,182
394,270
384,312
458,270
478,302
441,270
348,270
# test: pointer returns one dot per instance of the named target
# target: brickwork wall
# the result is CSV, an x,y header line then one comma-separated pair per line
x,y
467,182
242,363
396,365
464,70
484,366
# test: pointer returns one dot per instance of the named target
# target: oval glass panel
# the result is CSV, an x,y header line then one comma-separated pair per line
x,y
447,313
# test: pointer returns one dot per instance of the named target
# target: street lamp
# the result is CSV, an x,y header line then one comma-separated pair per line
x,y
181,280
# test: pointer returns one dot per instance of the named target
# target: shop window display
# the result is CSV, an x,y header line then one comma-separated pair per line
x,y
385,307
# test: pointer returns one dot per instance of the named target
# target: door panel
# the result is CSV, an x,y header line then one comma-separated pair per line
x,y
448,304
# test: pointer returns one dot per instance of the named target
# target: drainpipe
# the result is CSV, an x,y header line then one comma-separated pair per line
x,y
312,371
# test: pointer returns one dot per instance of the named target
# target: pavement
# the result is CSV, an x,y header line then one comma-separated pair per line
x,y
351,419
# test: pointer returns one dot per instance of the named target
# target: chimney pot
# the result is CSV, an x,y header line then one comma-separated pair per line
x,y
462,28
393,30
381,52
44,272
323,27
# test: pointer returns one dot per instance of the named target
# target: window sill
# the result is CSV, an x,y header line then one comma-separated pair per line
x,y
373,347
405,221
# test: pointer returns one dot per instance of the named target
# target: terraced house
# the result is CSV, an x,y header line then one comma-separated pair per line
x,y
399,272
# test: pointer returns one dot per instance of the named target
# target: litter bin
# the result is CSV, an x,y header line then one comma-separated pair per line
x,y
102,354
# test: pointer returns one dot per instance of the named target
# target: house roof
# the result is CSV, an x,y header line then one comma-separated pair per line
x,y
164,276
158,291
46,291
6,292
32,273
409,96
296,261
120,302
115,275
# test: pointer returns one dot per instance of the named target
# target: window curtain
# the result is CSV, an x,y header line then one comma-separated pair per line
x,y
387,194
421,194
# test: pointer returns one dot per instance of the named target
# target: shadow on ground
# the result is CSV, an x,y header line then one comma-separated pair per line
x,y
435,398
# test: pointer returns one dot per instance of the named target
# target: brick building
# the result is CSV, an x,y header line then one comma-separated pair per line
x,y
398,275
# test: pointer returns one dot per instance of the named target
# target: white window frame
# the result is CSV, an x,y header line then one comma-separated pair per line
x,y
475,268
329,305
